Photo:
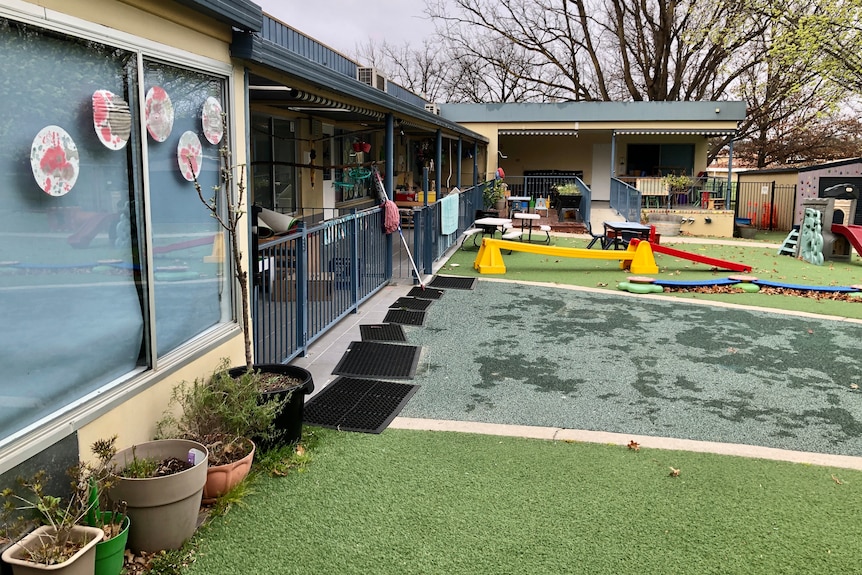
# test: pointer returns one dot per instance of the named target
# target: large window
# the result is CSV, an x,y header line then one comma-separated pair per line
x,y
74,188
273,143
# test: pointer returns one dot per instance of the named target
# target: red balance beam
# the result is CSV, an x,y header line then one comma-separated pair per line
x,y
722,264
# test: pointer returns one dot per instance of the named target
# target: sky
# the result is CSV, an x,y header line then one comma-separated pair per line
x,y
343,24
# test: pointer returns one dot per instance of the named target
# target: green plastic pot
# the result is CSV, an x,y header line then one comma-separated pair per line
x,y
110,554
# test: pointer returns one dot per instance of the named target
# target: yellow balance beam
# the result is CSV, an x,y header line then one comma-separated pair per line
x,y
639,259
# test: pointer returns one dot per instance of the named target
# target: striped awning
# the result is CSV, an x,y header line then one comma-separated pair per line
x,y
659,132
526,132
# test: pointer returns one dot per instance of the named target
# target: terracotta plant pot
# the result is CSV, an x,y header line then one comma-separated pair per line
x,y
163,510
223,478
81,563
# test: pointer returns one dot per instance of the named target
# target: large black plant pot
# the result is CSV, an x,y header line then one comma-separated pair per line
x,y
288,423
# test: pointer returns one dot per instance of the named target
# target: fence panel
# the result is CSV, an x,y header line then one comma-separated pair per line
x,y
767,205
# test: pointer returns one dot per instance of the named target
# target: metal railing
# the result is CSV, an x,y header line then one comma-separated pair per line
x,y
546,187
307,281
626,199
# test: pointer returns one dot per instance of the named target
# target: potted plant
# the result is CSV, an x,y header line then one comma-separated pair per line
x,y
161,483
678,186
226,414
493,193
567,197
289,383
62,544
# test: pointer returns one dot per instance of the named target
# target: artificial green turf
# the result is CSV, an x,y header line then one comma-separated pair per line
x,y
408,502
606,274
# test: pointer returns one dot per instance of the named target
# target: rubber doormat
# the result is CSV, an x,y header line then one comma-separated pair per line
x,y
449,282
427,293
405,317
364,405
411,303
378,359
382,332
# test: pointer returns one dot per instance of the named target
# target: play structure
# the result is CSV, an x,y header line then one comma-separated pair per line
x,y
638,257
489,260
830,227
714,262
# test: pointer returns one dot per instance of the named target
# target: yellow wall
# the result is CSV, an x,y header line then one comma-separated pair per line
x,y
576,152
159,21
176,27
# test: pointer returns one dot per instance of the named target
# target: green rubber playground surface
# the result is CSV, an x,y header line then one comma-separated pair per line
x,y
604,275
610,361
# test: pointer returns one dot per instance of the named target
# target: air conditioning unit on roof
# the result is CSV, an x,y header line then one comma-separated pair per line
x,y
371,77
433,108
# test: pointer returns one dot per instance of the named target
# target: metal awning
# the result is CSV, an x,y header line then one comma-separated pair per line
x,y
527,132
671,132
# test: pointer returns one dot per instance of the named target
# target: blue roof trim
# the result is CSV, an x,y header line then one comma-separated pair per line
x,y
241,14
595,112
253,48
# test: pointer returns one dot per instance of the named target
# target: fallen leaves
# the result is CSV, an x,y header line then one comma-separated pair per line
x,y
674,472
836,480
634,445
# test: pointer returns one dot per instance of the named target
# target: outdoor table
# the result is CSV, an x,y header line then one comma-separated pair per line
x,y
490,225
618,233
526,224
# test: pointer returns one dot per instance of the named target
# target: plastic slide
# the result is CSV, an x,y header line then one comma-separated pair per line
x,y
91,226
489,260
852,233
721,264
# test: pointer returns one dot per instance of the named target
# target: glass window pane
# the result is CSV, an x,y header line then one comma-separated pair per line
x,y
190,291
284,151
72,301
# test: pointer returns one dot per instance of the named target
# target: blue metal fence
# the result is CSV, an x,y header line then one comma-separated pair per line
x,y
626,200
310,279
307,281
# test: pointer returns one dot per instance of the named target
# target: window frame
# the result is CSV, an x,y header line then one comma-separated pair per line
x,y
48,430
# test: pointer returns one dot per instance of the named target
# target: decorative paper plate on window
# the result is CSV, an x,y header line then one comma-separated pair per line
x,y
160,114
212,121
189,155
112,119
54,159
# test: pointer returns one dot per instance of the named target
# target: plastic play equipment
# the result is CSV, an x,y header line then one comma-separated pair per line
x,y
748,284
715,262
852,234
639,259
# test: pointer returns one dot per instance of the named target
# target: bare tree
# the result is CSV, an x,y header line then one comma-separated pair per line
x,y
613,49
420,70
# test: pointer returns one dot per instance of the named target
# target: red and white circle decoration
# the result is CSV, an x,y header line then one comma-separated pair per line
x,y
159,113
54,160
111,119
212,121
189,155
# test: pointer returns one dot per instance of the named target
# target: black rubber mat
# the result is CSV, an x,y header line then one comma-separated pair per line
x,y
351,404
427,293
447,282
378,359
405,317
411,303
382,332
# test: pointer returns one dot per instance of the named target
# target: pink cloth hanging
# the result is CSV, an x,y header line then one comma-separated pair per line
x,y
391,217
